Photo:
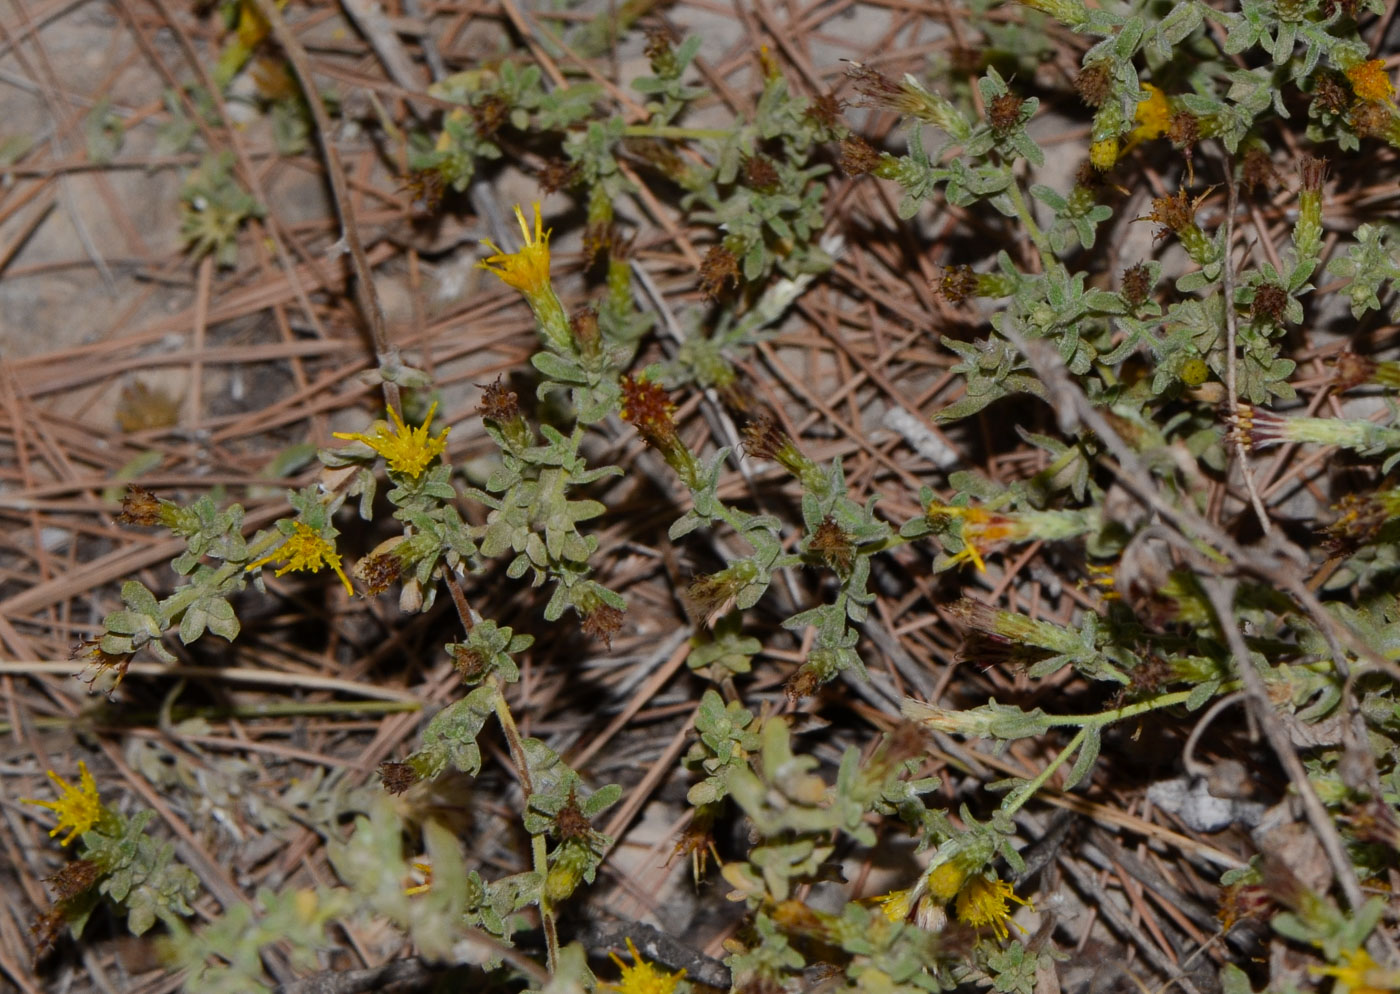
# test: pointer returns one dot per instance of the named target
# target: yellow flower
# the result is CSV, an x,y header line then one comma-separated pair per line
x,y
983,902
897,904
1369,81
305,550
642,977
406,450
1153,117
946,879
1360,975
528,269
78,808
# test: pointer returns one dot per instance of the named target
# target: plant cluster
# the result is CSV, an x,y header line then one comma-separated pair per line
x,y
1163,381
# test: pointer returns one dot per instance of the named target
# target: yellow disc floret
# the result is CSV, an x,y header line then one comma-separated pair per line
x,y
78,808
406,450
982,901
642,977
305,550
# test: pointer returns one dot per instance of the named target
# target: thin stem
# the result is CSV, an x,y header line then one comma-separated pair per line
x,y
1023,212
1029,790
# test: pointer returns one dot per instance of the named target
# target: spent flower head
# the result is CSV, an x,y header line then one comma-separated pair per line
x,y
406,450
78,808
305,550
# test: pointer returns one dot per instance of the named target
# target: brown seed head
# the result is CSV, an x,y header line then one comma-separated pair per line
x,y
1175,211
470,662
1313,171
825,110
45,931
646,407
397,777
803,683
1004,113
558,174
1352,370
877,88
490,114
1094,83
378,572
139,507
1184,130
571,822
660,53
955,284
73,879
720,267
426,189
858,156
498,402
760,174
602,623
1370,119
764,438
584,325
833,546
1330,92
1270,303
1137,284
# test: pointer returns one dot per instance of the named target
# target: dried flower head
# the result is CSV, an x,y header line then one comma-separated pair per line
x,y
140,507
1370,119
305,550
1174,211
397,777
46,930
498,402
78,808
825,110
719,267
646,407
1329,93
804,682
659,52
1351,370
73,879
470,662
584,325
714,594
1313,171
378,572
602,623
558,174
858,156
1270,303
1004,113
1369,81
405,450
760,174
833,546
955,283
1137,284
1095,83
489,114
1184,129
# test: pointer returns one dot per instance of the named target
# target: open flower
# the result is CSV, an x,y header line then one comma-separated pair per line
x,y
406,450
1152,118
305,550
528,269
1369,81
78,808
642,977
982,901
1360,974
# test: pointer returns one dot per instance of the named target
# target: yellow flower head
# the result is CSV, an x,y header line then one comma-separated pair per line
x,y
305,550
983,902
897,904
642,977
78,808
528,269
1153,117
946,879
406,450
1369,81
1360,974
